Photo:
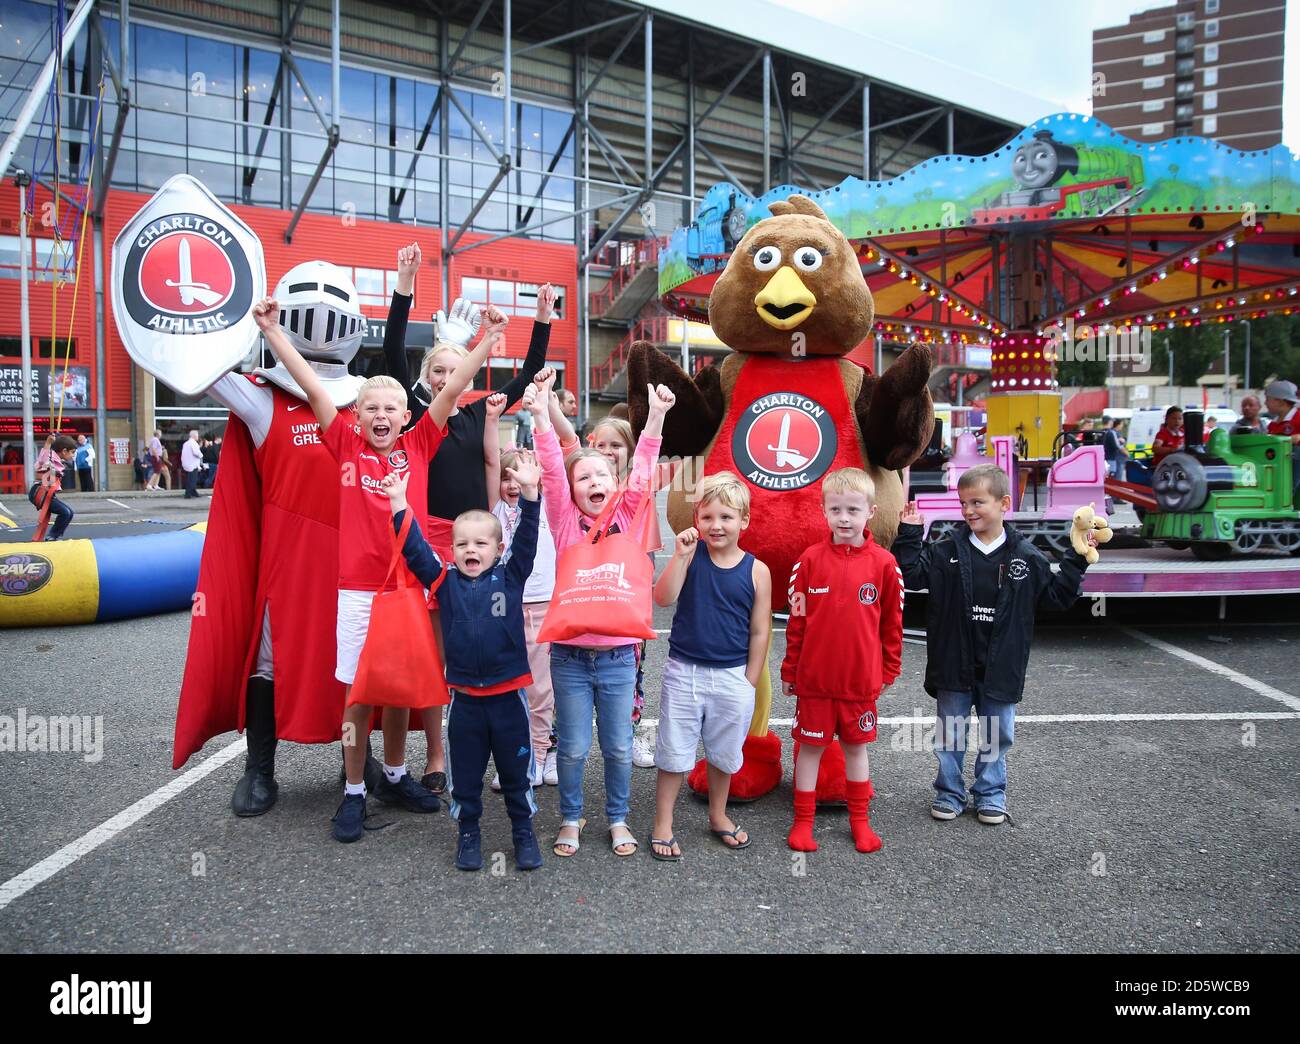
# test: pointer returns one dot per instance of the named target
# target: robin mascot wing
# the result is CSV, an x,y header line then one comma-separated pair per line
x,y
691,425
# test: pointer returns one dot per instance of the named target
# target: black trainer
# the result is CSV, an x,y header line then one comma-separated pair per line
x,y
469,856
992,816
527,855
408,793
349,820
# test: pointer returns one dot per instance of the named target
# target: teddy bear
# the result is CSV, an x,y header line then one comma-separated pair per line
x,y
783,410
1087,521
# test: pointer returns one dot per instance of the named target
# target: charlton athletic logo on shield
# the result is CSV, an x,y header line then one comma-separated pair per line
x,y
397,460
186,274
784,441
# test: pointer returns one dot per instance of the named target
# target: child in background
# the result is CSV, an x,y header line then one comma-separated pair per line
x,y
592,670
482,596
58,452
369,446
716,652
537,600
969,613
844,645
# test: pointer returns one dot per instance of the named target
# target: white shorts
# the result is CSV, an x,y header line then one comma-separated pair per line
x,y
350,632
715,704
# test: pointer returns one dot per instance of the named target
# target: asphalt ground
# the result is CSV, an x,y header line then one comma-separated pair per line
x,y
1175,831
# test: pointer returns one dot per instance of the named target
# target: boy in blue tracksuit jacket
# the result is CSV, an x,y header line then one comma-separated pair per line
x,y
481,608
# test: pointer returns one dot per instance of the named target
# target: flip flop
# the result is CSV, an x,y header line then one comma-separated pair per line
x,y
670,858
573,843
614,846
720,834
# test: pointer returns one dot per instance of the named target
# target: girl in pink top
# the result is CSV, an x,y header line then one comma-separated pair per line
x,y
592,670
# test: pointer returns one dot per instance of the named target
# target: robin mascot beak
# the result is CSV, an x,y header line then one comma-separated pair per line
x,y
784,302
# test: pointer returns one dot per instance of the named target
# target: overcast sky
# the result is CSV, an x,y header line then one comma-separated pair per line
x,y
1043,48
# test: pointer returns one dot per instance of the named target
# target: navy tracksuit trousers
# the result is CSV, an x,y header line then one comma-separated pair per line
x,y
479,726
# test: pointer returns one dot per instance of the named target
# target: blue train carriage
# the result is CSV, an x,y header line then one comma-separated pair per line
x,y
1059,180
1232,494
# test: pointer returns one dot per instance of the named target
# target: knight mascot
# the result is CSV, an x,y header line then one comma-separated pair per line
x,y
262,648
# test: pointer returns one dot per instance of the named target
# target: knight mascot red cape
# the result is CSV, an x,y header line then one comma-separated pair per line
x,y
783,410
261,656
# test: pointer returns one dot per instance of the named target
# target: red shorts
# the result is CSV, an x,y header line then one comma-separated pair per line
x,y
818,721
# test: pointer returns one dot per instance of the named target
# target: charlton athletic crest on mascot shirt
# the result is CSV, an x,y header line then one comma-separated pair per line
x,y
784,441
186,272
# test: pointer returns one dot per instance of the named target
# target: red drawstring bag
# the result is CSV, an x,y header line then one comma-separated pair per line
x,y
399,665
603,583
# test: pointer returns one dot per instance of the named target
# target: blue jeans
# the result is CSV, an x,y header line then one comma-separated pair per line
x,y
604,680
997,731
60,513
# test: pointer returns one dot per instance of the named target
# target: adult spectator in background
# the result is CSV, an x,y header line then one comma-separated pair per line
x,y
85,465
1112,442
523,429
1250,422
141,466
1280,398
192,465
569,407
210,451
1170,436
158,468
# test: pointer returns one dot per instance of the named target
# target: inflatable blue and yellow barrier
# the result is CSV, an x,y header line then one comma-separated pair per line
x,y
90,581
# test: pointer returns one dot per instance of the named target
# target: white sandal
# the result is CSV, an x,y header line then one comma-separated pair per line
x,y
616,844
573,843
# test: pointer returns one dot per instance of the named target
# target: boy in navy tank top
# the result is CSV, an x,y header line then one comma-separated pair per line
x,y
716,651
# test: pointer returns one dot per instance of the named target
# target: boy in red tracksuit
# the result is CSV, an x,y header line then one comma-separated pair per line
x,y
844,646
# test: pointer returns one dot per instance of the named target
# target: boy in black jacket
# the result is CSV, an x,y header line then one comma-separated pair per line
x,y
985,581
482,618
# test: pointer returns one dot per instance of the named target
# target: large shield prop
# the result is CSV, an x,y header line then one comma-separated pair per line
x,y
186,273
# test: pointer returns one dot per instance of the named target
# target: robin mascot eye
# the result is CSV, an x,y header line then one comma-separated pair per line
x,y
808,258
767,258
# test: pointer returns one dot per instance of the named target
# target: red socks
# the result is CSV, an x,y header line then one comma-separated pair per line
x,y
805,811
859,799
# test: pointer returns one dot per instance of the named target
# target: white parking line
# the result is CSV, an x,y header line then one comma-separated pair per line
x,y
118,503
1052,719
1244,680
18,886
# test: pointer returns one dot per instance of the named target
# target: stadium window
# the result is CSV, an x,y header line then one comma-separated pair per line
x,y
1153,83
1209,124
1211,7
12,348
1211,77
1210,100
1153,106
1153,59
1154,36
1212,27
1151,130
1212,52
1185,21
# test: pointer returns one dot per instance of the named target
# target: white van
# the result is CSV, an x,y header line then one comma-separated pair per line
x,y
1144,424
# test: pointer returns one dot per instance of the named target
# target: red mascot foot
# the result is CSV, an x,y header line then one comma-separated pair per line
x,y
759,775
830,776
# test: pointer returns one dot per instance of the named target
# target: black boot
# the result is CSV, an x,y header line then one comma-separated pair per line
x,y
257,790
372,774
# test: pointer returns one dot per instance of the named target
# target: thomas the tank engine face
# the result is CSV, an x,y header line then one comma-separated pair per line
x,y
1035,164
1179,483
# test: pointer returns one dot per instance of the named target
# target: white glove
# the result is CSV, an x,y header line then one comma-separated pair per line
x,y
461,326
